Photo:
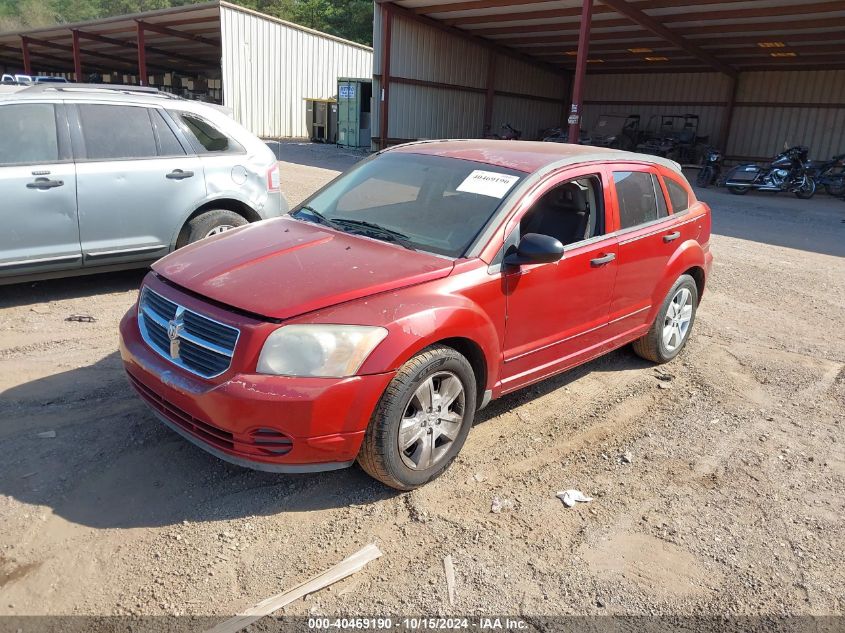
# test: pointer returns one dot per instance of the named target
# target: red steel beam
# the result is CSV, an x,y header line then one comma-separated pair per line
x,y
142,54
27,62
580,71
77,57
649,23
150,49
490,92
384,103
157,28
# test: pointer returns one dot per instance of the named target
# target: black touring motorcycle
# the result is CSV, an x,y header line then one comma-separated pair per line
x,y
786,172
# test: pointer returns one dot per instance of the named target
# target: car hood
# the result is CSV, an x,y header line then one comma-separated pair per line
x,y
284,267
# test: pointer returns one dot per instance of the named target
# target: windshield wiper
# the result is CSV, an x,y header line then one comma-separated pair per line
x,y
376,230
321,219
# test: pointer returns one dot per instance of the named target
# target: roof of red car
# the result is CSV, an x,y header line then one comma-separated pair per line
x,y
527,156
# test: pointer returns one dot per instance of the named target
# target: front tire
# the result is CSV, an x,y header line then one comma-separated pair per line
x,y
672,327
705,175
808,189
421,421
211,223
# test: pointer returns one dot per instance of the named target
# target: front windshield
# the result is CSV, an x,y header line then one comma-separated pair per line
x,y
429,203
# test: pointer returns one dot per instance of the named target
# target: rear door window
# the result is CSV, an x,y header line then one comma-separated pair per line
x,y
206,138
28,134
678,195
640,198
168,144
114,132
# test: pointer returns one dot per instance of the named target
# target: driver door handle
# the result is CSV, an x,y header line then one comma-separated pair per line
x,y
44,183
671,237
178,174
605,259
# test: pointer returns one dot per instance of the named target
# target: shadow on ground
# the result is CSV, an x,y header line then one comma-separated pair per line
x,y
35,292
112,464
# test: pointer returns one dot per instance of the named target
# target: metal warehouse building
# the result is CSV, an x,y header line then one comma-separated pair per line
x,y
259,67
758,73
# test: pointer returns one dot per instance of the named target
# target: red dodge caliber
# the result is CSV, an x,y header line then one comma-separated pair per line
x,y
376,319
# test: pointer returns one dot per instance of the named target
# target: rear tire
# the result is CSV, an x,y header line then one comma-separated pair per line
x,y
836,190
738,191
401,416
673,325
211,223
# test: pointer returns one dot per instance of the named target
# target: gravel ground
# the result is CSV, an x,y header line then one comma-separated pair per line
x,y
717,479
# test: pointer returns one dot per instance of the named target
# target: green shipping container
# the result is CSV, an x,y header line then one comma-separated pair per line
x,y
354,103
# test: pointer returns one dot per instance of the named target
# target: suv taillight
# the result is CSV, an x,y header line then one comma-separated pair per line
x,y
273,178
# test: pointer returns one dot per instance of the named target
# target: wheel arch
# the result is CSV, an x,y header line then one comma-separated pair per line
x,y
472,351
227,204
688,259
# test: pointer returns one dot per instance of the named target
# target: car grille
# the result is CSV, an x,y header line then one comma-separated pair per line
x,y
190,340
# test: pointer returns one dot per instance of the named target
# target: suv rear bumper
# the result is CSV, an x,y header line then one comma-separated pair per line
x,y
270,423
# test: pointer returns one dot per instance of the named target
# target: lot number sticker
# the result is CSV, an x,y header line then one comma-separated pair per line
x,y
488,183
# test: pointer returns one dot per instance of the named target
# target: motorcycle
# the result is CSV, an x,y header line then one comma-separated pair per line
x,y
711,169
829,174
509,133
786,172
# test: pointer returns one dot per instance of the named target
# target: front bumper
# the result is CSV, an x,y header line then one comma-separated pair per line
x,y
271,423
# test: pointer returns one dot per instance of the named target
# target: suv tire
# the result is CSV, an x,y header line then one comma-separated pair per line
x,y
431,442
675,319
212,222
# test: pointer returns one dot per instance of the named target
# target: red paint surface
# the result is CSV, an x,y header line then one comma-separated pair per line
x,y
527,323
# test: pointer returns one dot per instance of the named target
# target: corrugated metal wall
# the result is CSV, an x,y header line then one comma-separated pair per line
x,y
422,55
770,107
270,67
781,118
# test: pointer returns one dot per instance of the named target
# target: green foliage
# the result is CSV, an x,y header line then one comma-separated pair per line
x,y
349,19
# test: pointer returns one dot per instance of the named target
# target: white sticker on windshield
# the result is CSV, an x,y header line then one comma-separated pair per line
x,y
488,183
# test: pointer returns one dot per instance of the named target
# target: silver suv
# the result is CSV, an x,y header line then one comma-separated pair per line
x,y
95,178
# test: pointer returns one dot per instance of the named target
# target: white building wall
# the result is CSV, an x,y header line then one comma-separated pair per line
x,y
270,66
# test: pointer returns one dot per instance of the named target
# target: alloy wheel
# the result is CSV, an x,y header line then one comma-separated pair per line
x,y
217,230
677,321
432,421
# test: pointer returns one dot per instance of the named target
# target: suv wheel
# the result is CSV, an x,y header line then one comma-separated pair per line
x,y
421,421
671,329
212,223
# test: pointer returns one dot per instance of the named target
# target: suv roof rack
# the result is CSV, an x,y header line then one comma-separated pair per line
x,y
74,87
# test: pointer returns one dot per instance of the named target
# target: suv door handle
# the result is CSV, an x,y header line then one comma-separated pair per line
x,y
178,174
601,261
671,237
44,183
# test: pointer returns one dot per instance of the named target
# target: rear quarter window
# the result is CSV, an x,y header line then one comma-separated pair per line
x,y
678,195
205,137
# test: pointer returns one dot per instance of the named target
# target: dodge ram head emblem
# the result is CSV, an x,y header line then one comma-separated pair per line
x,y
174,329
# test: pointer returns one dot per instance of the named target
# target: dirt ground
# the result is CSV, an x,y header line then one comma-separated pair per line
x,y
728,500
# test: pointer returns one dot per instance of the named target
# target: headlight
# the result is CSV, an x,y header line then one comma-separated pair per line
x,y
328,351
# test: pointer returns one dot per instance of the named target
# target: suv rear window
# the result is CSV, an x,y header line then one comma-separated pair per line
x,y
115,132
205,138
28,134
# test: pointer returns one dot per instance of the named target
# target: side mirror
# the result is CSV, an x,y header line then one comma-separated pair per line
x,y
535,248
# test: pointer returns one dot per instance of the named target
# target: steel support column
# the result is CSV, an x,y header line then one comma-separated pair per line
x,y
728,115
580,71
77,57
384,103
27,62
491,92
142,55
